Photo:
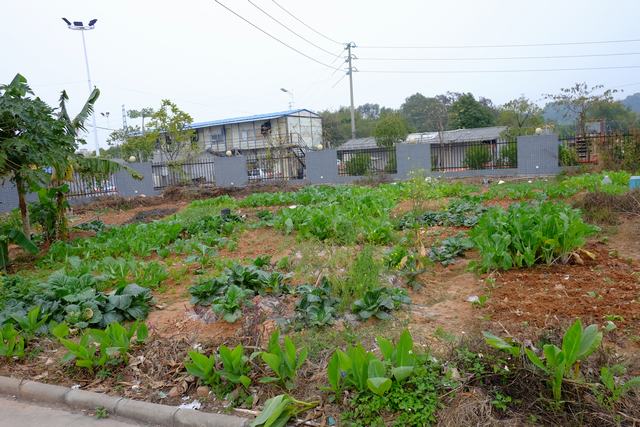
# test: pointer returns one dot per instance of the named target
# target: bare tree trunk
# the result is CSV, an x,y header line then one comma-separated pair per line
x,y
22,203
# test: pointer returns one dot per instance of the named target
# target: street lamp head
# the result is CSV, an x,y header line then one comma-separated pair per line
x,y
79,25
284,90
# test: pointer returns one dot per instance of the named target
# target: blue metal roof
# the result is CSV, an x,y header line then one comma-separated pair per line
x,y
244,119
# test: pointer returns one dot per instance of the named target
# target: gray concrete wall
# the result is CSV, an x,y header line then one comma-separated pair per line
x,y
412,157
128,186
231,171
322,167
538,155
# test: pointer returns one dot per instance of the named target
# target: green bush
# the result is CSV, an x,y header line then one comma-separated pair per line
x,y
527,234
567,156
477,157
358,165
509,155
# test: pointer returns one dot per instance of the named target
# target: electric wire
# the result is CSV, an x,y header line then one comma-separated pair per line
x,y
500,58
292,31
274,37
339,80
309,27
503,45
531,70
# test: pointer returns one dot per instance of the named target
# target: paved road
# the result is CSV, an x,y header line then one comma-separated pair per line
x,y
14,413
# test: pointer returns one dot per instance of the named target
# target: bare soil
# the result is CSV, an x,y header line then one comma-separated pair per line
x,y
547,296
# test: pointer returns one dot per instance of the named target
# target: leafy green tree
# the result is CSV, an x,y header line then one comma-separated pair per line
x,y
466,112
427,114
390,129
131,142
578,99
617,117
521,116
31,138
170,128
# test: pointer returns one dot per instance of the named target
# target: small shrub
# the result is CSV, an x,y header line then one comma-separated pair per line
x,y
567,156
477,157
358,164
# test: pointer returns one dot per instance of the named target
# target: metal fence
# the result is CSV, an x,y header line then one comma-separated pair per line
x,y
474,155
579,149
611,151
88,187
276,164
367,161
166,174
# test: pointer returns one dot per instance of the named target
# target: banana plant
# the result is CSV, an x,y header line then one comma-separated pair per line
x,y
10,235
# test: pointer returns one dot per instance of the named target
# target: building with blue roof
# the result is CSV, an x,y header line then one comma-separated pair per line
x,y
274,145
251,135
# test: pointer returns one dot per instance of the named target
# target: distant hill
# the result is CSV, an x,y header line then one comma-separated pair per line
x,y
553,112
632,102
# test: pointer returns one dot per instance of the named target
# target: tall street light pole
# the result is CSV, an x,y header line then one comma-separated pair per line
x,y
290,95
79,26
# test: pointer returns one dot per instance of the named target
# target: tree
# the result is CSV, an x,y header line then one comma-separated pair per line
x,y
64,168
31,138
466,112
578,99
390,129
521,116
131,142
415,110
617,116
170,129
369,111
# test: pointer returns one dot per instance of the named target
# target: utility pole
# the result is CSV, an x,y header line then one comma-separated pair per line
x,y
351,45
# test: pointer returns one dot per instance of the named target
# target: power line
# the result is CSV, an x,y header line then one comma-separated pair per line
x,y
499,58
292,31
274,37
504,45
309,27
496,71
339,80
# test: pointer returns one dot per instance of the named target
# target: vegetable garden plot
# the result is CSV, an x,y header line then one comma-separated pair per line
x,y
328,268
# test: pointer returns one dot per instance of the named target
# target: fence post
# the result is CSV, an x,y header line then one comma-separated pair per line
x,y
128,186
231,171
413,157
538,155
322,167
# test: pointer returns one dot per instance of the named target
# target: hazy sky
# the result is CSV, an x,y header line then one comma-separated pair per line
x,y
214,65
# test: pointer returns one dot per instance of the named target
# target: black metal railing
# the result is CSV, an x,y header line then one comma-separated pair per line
x,y
474,155
276,164
611,151
90,187
367,161
166,174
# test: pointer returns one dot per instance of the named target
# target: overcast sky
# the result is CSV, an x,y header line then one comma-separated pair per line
x,y
214,65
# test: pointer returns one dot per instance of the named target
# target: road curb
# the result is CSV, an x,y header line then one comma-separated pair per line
x,y
145,412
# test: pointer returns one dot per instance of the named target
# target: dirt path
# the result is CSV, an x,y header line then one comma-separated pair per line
x,y
441,304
